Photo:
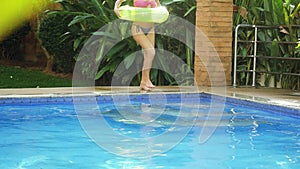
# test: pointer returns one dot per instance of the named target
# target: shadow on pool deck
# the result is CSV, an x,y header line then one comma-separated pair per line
x,y
281,97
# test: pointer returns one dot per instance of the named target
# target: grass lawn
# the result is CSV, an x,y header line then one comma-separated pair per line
x,y
15,77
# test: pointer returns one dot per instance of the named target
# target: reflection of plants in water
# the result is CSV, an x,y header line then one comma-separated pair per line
x,y
158,116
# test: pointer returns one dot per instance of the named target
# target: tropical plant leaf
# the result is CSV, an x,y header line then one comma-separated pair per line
x,y
101,72
190,10
128,61
169,2
80,18
106,34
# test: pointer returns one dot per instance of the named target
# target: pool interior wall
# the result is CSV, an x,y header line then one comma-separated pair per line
x,y
44,99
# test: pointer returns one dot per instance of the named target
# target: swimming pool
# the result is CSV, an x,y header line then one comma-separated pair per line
x,y
47,133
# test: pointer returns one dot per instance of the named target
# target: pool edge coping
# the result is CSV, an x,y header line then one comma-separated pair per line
x,y
134,91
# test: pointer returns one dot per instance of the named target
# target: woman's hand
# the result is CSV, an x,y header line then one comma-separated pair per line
x,y
117,5
158,3
117,11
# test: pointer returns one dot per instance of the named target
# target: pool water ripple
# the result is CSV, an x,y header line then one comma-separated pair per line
x,y
50,136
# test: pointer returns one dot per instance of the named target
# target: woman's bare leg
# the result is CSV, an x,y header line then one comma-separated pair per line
x,y
147,43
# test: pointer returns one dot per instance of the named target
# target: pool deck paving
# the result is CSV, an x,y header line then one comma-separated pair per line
x,y
281,97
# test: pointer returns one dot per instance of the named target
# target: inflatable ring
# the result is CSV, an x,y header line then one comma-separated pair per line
x,y
156,15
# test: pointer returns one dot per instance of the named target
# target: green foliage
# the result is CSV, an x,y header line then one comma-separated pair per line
x,y
13,77
52,31
10,48
280,13
298,49
90,15
183,9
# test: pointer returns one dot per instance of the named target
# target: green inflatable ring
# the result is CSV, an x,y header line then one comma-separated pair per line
x,y
156,15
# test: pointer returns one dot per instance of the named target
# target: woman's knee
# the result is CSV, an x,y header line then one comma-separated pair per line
x,y
150,52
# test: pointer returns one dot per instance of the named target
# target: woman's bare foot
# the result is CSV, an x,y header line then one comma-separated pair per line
x,y
146,86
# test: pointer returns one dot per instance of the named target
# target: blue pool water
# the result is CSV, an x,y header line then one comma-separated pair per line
x,y
48,136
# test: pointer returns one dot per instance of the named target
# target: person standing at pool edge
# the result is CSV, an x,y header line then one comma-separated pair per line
x,y
143,33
